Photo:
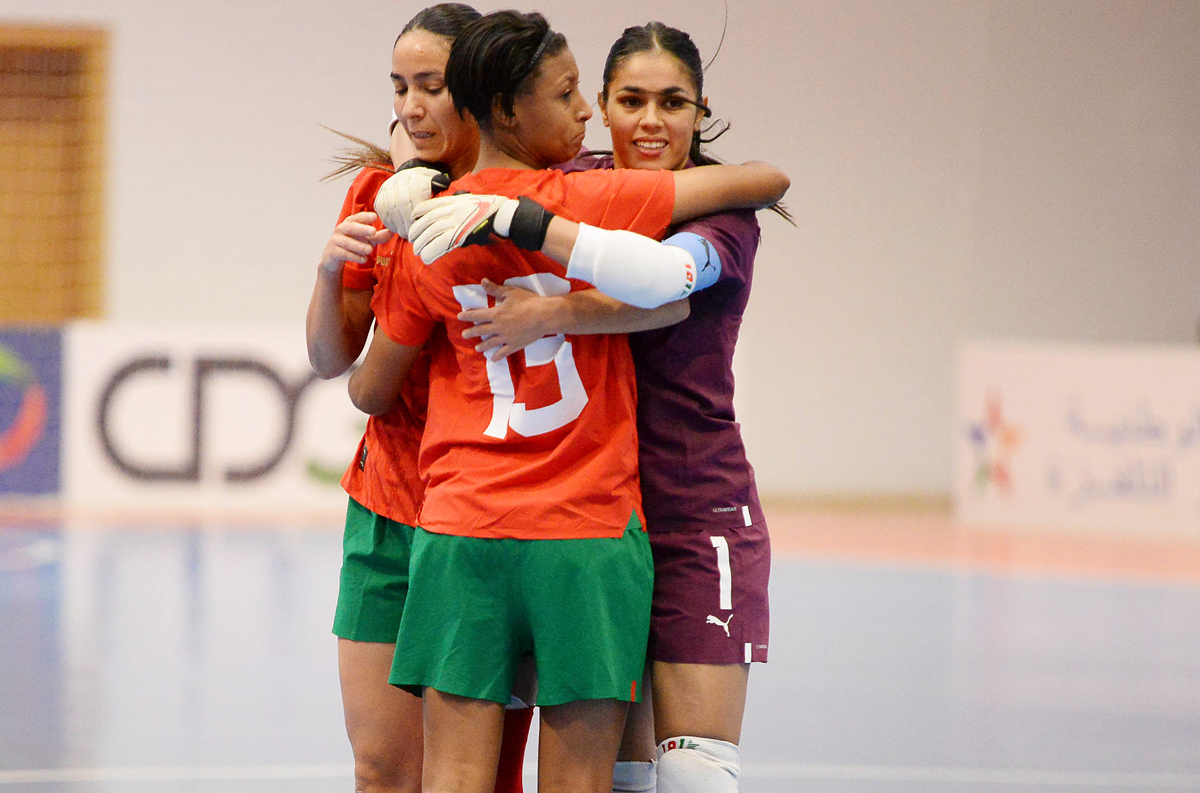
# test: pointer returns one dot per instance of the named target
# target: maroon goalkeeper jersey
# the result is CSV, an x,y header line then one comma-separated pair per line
x,y
694,471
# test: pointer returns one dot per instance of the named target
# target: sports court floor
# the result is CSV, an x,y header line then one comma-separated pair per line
x,y
908,654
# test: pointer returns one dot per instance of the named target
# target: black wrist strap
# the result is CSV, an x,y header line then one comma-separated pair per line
x,y
529,223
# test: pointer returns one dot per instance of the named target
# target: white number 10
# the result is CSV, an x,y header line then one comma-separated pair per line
x,y
548,351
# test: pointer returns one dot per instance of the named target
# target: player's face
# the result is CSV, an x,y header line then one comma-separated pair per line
x,y
652,112
423,104
550,120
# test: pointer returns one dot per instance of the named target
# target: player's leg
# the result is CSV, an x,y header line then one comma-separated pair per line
x,y
382,722
462,743
460,643
589,603
578,745
698,724
708,700
710,621
510,771
634,771
518,716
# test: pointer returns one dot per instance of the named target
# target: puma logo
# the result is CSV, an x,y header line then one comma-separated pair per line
x,y
707,254
724,625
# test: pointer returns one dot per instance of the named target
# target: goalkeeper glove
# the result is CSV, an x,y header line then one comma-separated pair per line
x,y
443,224
414,181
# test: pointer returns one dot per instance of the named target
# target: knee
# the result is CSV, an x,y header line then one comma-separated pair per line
x,y
697,765
385,772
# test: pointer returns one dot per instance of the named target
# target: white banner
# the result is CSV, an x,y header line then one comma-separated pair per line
x,y
1078,436
201,417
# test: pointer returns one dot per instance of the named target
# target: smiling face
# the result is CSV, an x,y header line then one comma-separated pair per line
x,y
549,120
424,106
653,110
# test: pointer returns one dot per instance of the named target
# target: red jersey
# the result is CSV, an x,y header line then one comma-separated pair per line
x,y
361,198
542,445
383,475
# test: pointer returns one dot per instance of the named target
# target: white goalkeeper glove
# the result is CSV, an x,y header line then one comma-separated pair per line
x,y
443,224
414,181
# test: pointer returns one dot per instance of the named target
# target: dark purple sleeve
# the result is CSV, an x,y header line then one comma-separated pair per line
x,y
586,161
735,235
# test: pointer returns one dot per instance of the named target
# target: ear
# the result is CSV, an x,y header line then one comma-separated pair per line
x,y
500,117
603,111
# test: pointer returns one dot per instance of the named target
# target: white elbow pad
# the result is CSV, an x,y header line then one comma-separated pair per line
x,y
631,268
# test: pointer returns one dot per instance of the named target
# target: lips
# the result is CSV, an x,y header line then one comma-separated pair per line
x,y
423,141
650,148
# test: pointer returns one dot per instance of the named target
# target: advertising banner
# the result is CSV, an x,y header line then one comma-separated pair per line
x,y
1078,436
199,417
30,411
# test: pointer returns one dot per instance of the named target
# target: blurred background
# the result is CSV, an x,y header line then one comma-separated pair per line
x,y
960,169
968,380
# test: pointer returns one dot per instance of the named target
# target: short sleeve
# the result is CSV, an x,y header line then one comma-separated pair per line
x,y
361,198
735,235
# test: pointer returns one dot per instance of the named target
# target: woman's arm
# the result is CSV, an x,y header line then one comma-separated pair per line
x,y
708,189
375,386
623,265
521,317
629,267
338,318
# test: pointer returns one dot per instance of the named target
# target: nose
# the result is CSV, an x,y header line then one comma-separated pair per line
x,y
410,107
651,116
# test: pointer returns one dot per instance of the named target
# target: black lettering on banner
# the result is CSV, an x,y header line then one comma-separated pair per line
x,y
188,471
204,369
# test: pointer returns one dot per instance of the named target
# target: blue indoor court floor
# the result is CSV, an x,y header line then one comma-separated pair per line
x,y
908,654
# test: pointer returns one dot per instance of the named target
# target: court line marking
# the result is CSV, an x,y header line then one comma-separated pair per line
x,y
977,776
808,771
175,773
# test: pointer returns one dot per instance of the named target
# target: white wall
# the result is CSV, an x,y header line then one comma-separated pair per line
x,y
1025,168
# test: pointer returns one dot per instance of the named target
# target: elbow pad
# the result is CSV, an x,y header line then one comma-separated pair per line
x,y
631,268
704,254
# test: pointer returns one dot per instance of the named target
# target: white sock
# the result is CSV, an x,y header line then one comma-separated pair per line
x,y
697,765
630,776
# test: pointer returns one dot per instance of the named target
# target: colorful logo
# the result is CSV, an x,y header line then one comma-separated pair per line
x,y
993,442
28,425
30,410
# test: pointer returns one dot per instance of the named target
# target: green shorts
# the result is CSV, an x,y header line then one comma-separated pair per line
x,y
476,606
374,582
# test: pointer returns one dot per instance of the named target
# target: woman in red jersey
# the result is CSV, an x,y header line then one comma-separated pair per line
x,y
531,539
707,531
385,491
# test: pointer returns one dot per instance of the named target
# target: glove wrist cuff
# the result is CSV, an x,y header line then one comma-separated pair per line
x,y
527,228
502,219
